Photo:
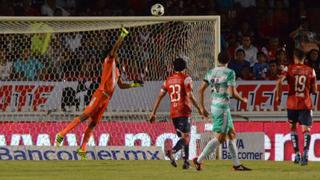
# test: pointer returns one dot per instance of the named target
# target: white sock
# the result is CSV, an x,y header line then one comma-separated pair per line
x,y
234,152
210,147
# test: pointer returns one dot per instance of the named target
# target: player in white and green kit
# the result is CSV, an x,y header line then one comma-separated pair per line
x,y
221,79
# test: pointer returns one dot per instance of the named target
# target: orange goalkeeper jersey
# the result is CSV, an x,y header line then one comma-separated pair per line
x,y
110,76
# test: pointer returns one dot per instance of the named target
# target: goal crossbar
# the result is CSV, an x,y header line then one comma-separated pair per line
x,y
118,18
16,24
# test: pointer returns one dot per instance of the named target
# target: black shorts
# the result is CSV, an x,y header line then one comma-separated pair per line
x,y
182,125
303,117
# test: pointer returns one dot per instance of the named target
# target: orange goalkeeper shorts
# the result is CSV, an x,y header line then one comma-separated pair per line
x,y
97,106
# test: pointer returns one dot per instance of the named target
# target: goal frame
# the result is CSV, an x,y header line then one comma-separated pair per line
x,y
21,20
217,33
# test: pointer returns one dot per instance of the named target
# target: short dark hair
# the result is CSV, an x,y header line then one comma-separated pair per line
x,y
273,62
179,64
299,54
260,53
246,35
240,50
316,50
223,57
280,50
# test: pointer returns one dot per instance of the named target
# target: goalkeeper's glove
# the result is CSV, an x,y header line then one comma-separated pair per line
x,y
136,83
123,32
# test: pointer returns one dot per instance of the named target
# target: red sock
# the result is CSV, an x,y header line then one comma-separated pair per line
x,y
70,126
86,138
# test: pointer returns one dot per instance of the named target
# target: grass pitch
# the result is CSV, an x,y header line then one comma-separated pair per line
x,y
152,170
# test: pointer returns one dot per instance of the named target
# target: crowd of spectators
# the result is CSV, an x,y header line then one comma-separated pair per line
x,y
74,56
258,34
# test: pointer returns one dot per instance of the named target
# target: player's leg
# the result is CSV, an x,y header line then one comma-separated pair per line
x,y
293,119
182,126
82,150
232,145
88,133
220,127
184,129
233,149
73,124
82,153
295,142
178,124
210,147
183,143
305,119
186,137
307,139
96,118
69,127
90,109
180,143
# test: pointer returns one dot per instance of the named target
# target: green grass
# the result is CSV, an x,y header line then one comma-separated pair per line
x,y
152,170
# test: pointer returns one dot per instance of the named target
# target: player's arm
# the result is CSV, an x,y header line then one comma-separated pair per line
x,y
314,87
116,46
189,87
235,94
123,85
194,102
279,88
156,105
232,90
202,90
294,33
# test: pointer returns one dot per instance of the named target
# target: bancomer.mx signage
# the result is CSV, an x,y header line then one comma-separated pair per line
x,y
277,142
70,153
250,147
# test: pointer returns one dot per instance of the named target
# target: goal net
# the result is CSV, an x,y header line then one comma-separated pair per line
x,y
51,66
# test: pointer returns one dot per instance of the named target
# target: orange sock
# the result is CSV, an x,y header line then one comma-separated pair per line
x,y
70,126
86,138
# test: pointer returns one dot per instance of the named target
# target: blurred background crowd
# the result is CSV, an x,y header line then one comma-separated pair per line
x,y
258,34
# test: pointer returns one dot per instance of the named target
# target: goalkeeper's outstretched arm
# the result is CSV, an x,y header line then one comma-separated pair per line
x,y
116,46
123,85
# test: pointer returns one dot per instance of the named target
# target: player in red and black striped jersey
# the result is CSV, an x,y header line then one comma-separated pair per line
x,y
301,82
179,87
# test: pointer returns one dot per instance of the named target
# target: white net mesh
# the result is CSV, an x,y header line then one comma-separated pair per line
x,y
51,67
62,59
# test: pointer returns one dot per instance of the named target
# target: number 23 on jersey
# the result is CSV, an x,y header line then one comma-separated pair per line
x,y
175,94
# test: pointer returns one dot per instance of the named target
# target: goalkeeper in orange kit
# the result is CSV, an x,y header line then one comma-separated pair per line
x,y
101,97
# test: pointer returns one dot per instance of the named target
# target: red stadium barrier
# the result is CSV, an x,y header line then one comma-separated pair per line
x,y
277,140
25,96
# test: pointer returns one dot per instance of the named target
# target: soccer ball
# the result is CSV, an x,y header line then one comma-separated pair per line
x,y
157,10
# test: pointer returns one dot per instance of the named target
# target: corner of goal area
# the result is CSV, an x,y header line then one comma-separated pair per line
x,y
70,153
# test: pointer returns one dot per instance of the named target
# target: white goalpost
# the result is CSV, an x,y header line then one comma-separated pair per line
x,y
64,51
51,66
